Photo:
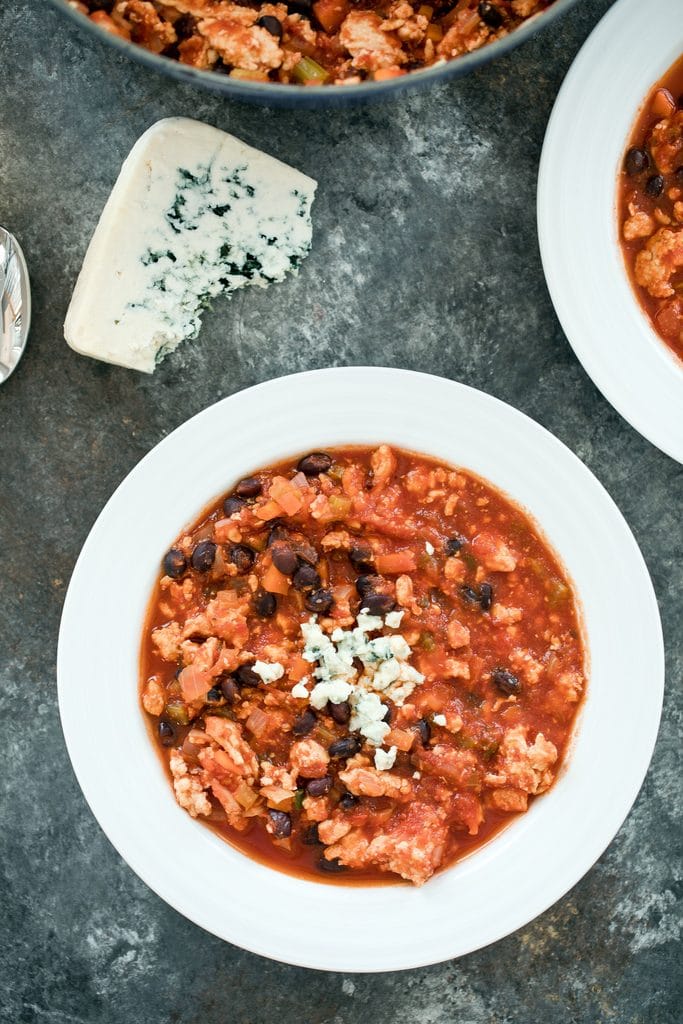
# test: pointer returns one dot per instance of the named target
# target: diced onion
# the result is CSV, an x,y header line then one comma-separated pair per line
x,y
258,722
245,796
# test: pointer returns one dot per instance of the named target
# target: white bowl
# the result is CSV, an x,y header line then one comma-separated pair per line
x,y
500,887
631,48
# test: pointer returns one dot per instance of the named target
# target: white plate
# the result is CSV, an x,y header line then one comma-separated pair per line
x,y
512,879
632,47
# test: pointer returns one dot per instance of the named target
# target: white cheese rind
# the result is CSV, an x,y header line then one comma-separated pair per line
x,y
194,213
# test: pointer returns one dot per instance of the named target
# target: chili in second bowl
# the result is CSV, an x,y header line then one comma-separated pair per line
x,y
651,208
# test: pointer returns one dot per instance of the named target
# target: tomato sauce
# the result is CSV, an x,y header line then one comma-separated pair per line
x,y
471,647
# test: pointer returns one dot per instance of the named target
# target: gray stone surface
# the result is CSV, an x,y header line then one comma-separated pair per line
x,y
425,256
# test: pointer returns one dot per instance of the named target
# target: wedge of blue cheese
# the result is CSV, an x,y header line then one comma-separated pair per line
x,y
195,213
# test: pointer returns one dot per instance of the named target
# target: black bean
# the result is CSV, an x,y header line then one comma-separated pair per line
x,y
361,556
506,682
341,712
282,823
229,690
232,505
331,865
265,604
319,601
486,596
214,695
305,578
347,801
203,555
454,544
315,463
346,747
318,787
175,563
386,717
424,731
305,551
284,558
470,595
251,486
304,723
654,186
367,584
184,26
636,161
166,733
271,24
378,604
490,14
245,676
310,837
242,557
277,532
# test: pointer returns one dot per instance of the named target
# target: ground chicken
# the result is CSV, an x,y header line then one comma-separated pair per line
x,y
656,263
370,48
309,759
241,43
521,765
229,736
493,553
189,791
370,782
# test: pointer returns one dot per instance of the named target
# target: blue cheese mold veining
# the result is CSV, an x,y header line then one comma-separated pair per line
x,y
195,213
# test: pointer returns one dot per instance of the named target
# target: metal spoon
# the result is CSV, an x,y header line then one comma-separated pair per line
x,y
15,304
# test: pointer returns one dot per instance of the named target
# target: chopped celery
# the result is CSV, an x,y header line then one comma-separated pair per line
x,y
427,641
469,560
178,713
299,799
558,592
340,504
309,72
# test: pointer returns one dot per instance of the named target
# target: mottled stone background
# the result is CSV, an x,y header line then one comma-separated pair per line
x,y
425,256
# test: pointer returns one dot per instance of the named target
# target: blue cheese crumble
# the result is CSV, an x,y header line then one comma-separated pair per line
x,y
194,214
269,671
385,759
386,671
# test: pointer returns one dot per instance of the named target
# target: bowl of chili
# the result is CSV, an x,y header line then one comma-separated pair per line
x,y
294,52
165,536
611,227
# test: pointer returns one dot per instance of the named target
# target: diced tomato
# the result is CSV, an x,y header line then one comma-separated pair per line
x,y
286,494
274,581
396,562
383,74
331,13
403,739
269,510
297,668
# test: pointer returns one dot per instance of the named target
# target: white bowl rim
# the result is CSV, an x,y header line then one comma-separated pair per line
x,y
621,60
88,758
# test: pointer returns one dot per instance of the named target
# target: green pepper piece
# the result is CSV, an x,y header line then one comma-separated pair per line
x,y
308,71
